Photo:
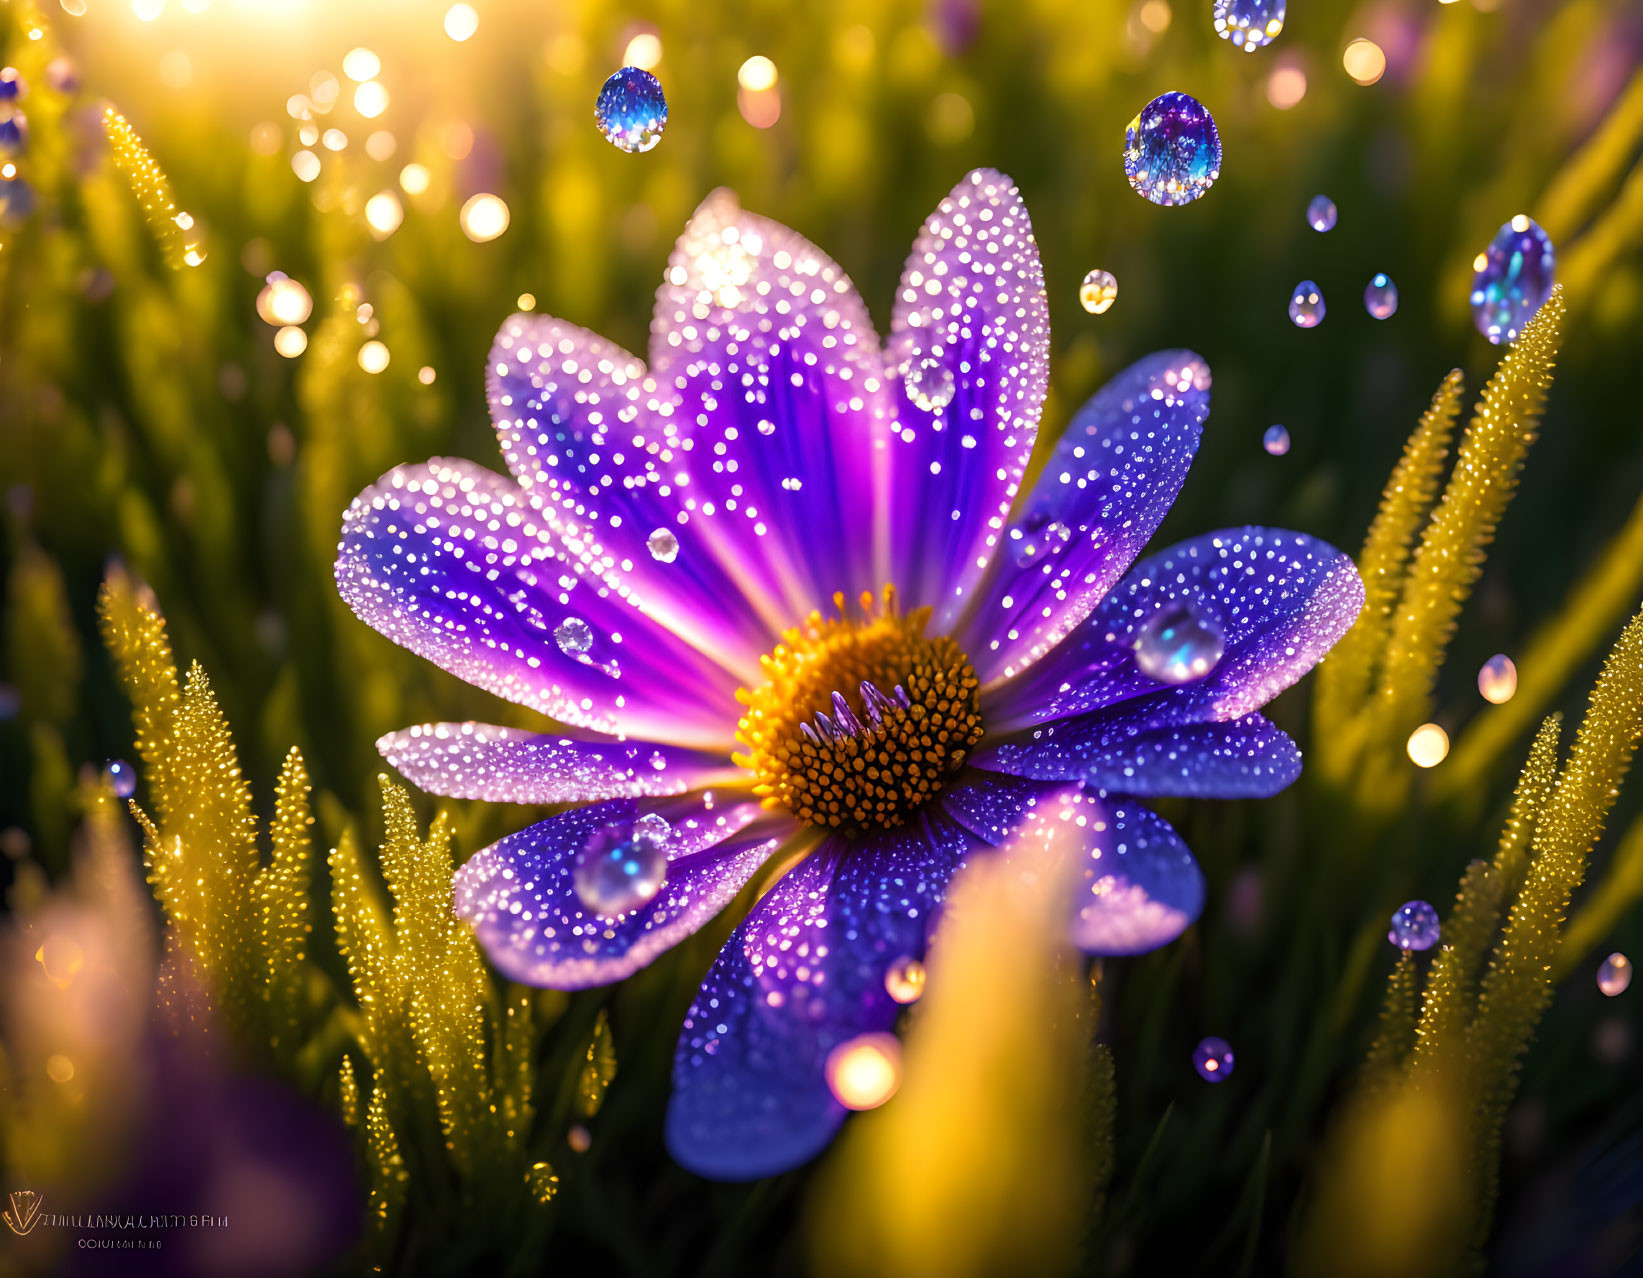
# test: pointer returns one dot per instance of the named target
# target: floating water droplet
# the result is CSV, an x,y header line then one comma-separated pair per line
x,y
574,636
930,385
864,1072
1276,440
1306,305
1497,679
1179,644
1098,291
904,981
663,545
1414,926
631,110
619,870
12,84
1511,279
1172,150
1380,297
1249,24
121,777
1320,214
1614,976
1428,745
1213,1059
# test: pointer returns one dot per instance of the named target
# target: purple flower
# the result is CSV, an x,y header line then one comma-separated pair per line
x,y
774,586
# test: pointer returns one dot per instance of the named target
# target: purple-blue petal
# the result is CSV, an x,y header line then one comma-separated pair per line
x,y
1248,758
1102,494
803,973
511,765
595,442
775,390
1281,600
519,894
971,316
1140,887
453,562
991,805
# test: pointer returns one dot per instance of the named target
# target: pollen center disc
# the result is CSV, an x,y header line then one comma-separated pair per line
x,y
861,721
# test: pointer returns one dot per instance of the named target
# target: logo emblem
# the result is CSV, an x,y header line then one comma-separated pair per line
x,y
24,1212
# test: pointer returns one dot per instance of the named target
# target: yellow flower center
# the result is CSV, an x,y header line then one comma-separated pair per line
x,y
860,721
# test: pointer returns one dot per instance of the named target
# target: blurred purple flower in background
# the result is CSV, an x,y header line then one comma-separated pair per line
x,y
773,585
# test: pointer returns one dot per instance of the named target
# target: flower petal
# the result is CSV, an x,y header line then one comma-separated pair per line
x,y
1281,600
970,341
595,444
990,805
1141,888
775,386
519,894
1103,493
803,973
1246,758
511,765
454,563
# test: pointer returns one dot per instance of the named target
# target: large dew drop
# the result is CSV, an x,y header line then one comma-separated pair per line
x,y
929,385
663,545
1276,440
1249,24
620,870
574,636
1414,926
1172,150
1306,305
1380,296
1213,1059
1179,644
631,110
1615,974
1511,279
1098,291
121,778
1321,213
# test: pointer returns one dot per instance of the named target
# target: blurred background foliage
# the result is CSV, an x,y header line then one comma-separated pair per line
x,y
147,420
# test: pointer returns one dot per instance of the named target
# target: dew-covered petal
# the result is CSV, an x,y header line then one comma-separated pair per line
x,y
1280,600
774,386
596,444
992,805
803,973
1248,758
1103,493
519,894
1140,887
511,765
453,562
969,352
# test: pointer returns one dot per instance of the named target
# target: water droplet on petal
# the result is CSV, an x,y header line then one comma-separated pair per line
x,y
1414,926
1098,291
574,636
1029,543
904,981
1213,1059
663,545
619,870
930,385
1249,24
1380,298
631,110
121,778
1172,150
1306,305
1276,440
1497,679
1179,644
1615,974
654,826
1511,279
1320,214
